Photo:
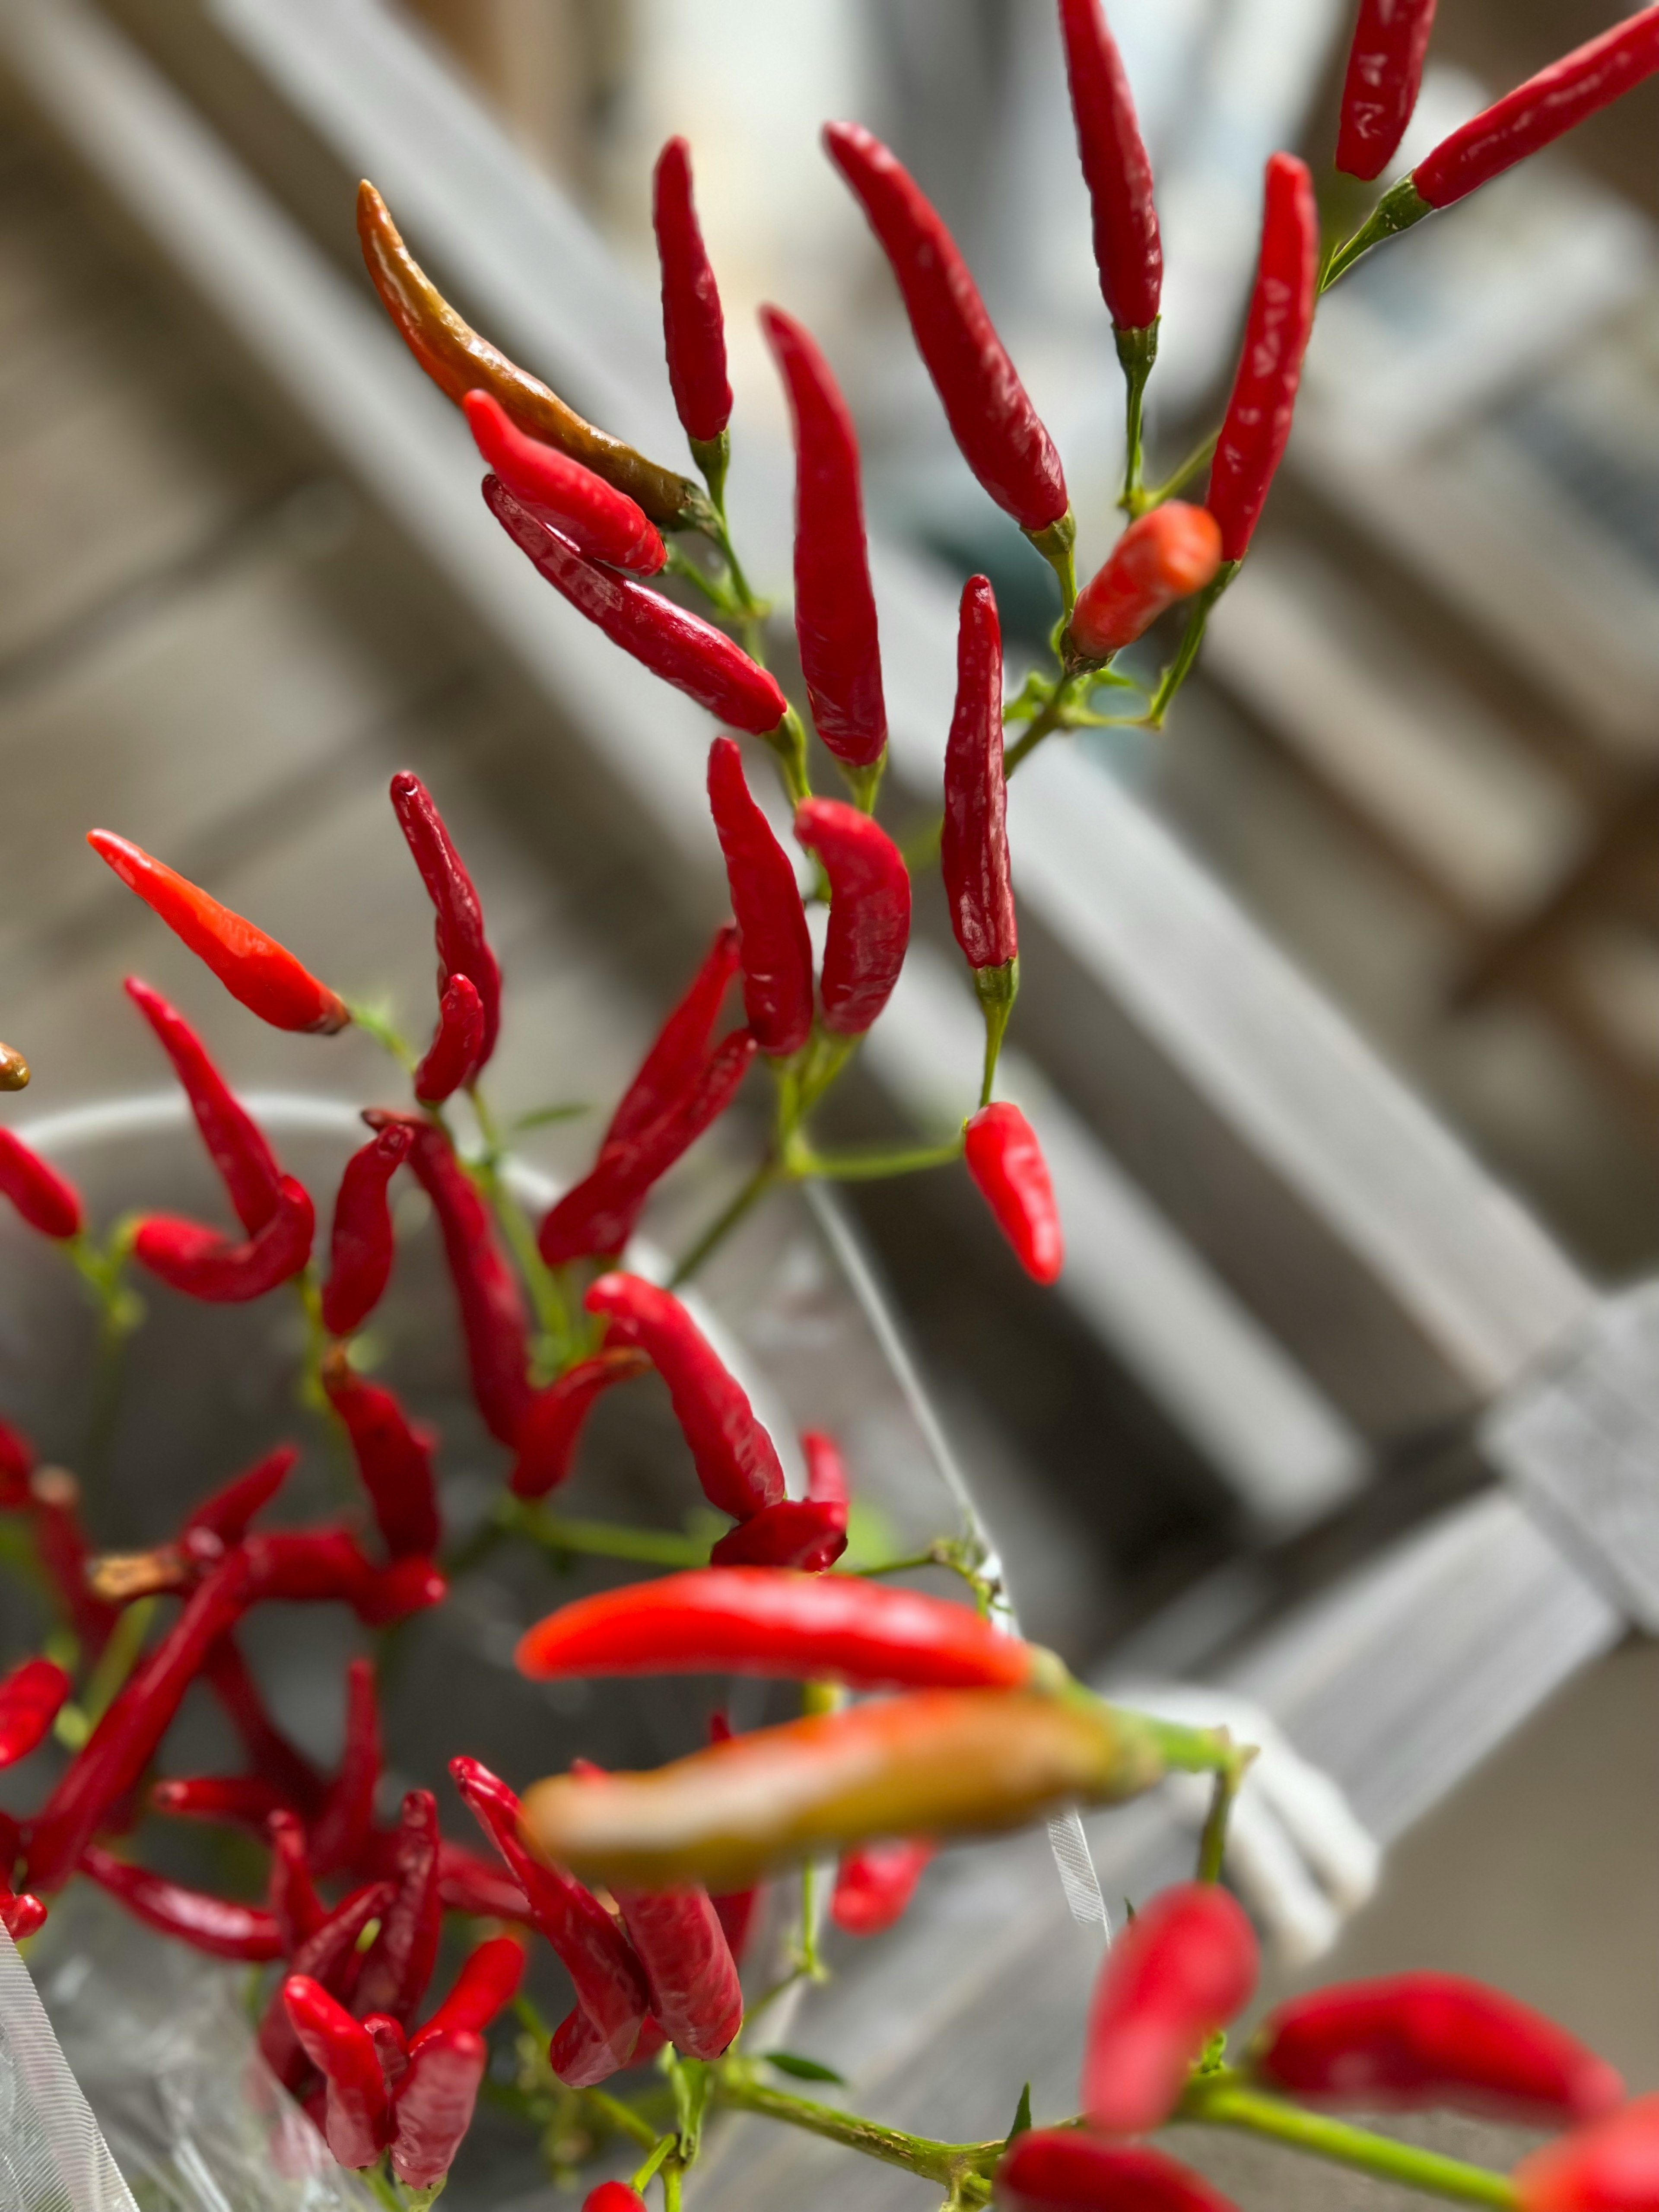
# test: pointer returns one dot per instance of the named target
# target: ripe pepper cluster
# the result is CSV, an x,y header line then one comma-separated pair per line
x,y
922,1721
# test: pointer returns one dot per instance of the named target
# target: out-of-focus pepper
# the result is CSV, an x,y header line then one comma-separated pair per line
x,y
202,1263
991,416
1007,1163
875,1883
452,1054
263,974
735,1459
936,1762
295,1905
273,1757
735,1908
1413,2039
53,1504
602,523
341,1831
469,1884
753,1621
1257,422
399,1966
361,1243
330,1956
808,1533
613,2196
826,1470
869,911
29,1699
22,1916
835,603
1184,1966
680,1049
489,1975
682,648
463,948
435,2104
235,1144
214,1925
1611,2167
1380,87
357,2117
242,1800
459,361
1128,253
773,950
693,327
393,1457
14,1069
1161,557
48,1201
17,1457
226,1513
1065,2170
547,1441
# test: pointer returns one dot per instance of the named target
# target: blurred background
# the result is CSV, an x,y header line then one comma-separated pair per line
x,y
1340,1005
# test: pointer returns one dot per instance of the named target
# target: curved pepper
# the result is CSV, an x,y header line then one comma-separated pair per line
x,y
875,1883
602,523
1007,1163
1184,1966
227,1513
774,949
48,1201
547,1441
457,1044
489,1979
274,1757
263,974
357,2115
680,1049
361,1243
1161,557
736,1461
292,1895
436,2101
1381,83
29,1700
974,844
463,948
1128,253
200,1262
1064,2170
869,911
52,1502
693,327
234,1142
330,1956
1613,2166
217,1925
808,1533
393,1457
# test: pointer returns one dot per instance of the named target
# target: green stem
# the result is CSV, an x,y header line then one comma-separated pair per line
x,y
373,1023
552,1311
996,990
603,1540
1051,718
1137,350
768,1172
1184,475
1222,2099
670,2184
1213,1844
626,2121
873,1166
1180,667
117,1659
382,2187
788,744
1058,546
943,2162
1399,207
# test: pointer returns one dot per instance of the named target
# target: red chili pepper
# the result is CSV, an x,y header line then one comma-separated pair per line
x,y
1007,1163
826,1471
393,1457
357,2117
46,1201
489,1977
1538,111
1613,2166
835,603
736,1462
436,2101
274,1757
681,1047
797,1532
874,1884
773,950
17,1457
991,417
341,1832
29,1699
362,1244
602,523
20,1916
227,1513
331,1957
613,2196
599,1215
202,1263
452,1054
1184,1966
1379,91
869,911
1064,2170
1276,331
295,1905
755,1620
241,1801
390,2048
693,328
391,1594
974,846
1128,253
463,948
612,1996
547,1442
263,974
213,1925
399,1965
54,1510
1428,2038
1161,557
468,1884
682,649
238,1149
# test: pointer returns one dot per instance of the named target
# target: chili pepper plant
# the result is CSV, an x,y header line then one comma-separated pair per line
x,y
923,1719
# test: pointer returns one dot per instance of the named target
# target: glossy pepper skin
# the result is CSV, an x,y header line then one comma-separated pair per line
x,y
682,648
1163,557
357,2117
331,1957
399,1964
1128,253
991,416
49,1202
1006,1163
869,911
459,361
752,1620
235,1144
30,1696
1184,1966
263,974
1065,2170
457,1043
1611,2166
945,1762
489,1979
736,1461
1408,2040
360,1242
435,2104
217,1925
613,2196
875,1883
835,602
773,950
548,1439
693,327
602,523
393,1457
199,1262
1382,83
808,1533
1257,422
463,947
974,844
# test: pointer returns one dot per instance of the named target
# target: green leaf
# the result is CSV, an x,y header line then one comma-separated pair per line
x,y
802,2070
1022,2113
544,1114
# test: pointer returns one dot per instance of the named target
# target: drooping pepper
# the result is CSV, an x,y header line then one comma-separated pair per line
x,y
754,1620
773,950
1381,84
826,1470
1257,422
1163,557
1611,2166
399,1964
489,1975
340,1835
218,1926
973,842
29,1699
1408,2040
835,602
234,1142
262,974
548,1439
202,1263
693,327
602,523
875,1883
681,1047
48,1201
361,1243
992,418
393,1457
357,2117
1067,2170
807,1532
935,1762
736,1461
434,2104
453,1055
869,911
1184,1966
1128,253
229,1511
1007,1163
290,1892
459,361
459,930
